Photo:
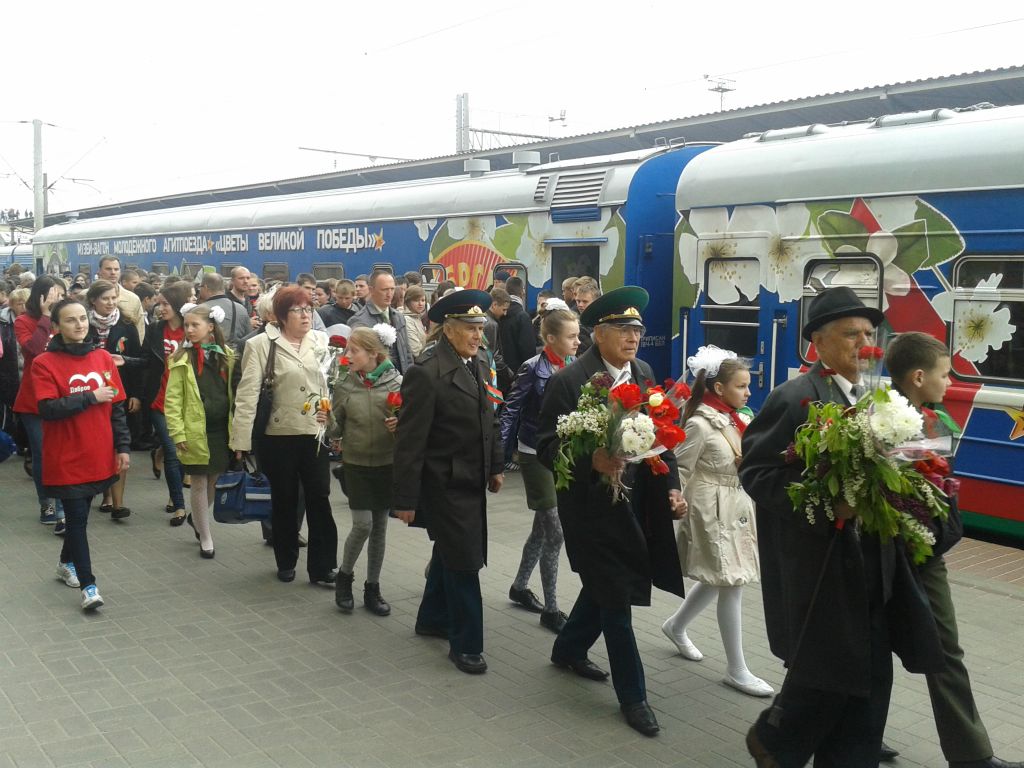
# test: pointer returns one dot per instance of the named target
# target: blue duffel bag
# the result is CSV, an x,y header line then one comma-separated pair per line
x,y
242,496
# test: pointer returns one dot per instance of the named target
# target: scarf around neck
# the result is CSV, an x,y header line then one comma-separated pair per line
x,y
555,360
369,379
713,401
104,324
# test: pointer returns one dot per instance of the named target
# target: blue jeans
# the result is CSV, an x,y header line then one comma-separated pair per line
x,y
76,545
172,467
34,429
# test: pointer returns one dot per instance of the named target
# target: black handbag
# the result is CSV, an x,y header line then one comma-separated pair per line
x,y
265,402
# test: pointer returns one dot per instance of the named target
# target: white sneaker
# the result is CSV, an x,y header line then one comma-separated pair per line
x,y
66,573
91,598
686,649
755,686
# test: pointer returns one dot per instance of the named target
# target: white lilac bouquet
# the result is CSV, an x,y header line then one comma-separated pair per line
x,y
852,454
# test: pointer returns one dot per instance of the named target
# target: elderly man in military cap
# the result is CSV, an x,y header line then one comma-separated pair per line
x,y
619,548
447,455
837,601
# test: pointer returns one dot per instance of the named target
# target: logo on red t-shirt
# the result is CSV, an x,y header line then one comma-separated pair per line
x,y
170,347
85,378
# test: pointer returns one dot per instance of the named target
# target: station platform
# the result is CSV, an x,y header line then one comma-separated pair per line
x,y
197,662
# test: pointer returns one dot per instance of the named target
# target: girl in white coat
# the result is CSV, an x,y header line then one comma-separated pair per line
x,y
717,537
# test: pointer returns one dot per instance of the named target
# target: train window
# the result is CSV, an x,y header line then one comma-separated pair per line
x,y
861,273
161,268
326,271
988,315
730,318
227,266
84,269
191,269
383,267
275,270
574,261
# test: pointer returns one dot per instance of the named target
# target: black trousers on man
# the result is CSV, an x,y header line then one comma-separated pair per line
x,y
452,601
588,620
837,729
287,461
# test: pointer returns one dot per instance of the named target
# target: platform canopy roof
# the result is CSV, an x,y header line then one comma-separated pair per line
x,y
997,86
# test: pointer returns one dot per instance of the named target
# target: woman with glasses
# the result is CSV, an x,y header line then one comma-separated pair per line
x,y
291,450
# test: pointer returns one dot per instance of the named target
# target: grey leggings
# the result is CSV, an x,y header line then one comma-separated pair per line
x,y
372,525
544,544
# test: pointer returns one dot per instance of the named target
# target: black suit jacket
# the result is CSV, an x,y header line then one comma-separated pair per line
x,y
619,550
861,571
447,447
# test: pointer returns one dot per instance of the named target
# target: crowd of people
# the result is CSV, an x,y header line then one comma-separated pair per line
x,y
456,387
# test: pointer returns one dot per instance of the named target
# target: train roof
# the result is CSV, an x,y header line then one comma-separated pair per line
x,y
924,152
588,181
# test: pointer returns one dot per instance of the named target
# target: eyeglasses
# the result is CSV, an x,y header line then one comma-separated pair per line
x,y
302,310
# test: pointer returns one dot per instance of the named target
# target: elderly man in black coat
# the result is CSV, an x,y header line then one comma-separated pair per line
x,y
618,548
837,601
447,455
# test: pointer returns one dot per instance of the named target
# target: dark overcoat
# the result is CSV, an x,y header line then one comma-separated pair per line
x,y
446,449
618,549
835,652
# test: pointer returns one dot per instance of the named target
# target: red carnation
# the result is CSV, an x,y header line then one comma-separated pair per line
x,y
628,396
669,436
344,361
870,353
337,341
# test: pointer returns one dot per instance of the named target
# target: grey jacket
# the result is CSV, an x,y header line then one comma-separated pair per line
x,y
368,316
235,325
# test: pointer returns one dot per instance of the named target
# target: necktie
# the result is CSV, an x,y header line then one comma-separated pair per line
x,y
471,367
856,391
623,377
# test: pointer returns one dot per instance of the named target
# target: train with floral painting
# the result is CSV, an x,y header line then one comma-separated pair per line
x,y
921,214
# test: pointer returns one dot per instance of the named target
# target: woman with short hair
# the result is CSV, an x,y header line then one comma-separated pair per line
x,y
109,330
291,450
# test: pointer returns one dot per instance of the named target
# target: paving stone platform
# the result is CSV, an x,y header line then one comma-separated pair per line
x,y
215,663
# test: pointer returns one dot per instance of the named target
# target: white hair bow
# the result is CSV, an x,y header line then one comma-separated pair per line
x,y
552,304
709,359
386,333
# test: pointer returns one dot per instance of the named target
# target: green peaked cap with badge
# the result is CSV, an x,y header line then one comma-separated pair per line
x,y
622,306
469,305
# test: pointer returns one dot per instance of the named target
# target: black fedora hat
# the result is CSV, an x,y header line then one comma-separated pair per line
x,y
835,303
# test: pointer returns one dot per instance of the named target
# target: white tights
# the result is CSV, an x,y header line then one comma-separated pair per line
x,y
730,622
204,487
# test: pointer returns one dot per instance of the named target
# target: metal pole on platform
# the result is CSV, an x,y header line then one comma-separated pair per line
x,y
38,185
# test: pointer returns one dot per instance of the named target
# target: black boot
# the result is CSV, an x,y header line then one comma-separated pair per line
x,y
373,601
343,592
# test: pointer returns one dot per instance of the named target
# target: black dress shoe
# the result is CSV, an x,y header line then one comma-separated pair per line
x,y
470,663
553,620
120,513
887,754
327,580
992,762
188,519
425,631
286,574
583,667
525,598
762,757
206,554
640,717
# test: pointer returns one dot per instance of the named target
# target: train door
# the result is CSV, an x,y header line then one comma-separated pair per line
x,y
432,274
736,313
861,273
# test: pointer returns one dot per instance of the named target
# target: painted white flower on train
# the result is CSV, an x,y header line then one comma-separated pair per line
x,y
479,228
787,249
885,246
727,278
978,323
423,227
533,252
609,250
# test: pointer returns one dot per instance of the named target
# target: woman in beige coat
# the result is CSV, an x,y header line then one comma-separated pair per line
x,y
291,450
717,537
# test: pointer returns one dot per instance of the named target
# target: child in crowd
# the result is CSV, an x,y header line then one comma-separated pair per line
x,y
717,537
365,420
197,406
86,442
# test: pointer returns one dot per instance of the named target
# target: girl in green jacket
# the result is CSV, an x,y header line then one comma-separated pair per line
x,y
198,411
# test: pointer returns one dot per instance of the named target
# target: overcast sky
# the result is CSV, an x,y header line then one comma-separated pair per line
x,y
194,95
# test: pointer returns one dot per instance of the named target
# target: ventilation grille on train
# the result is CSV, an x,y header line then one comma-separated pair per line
x,y
578,189
542,189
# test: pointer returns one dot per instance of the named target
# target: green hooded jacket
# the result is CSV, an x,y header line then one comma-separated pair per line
x,y
183,409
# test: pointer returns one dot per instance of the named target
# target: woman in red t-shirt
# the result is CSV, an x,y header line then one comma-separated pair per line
x,y
85,434
163,339
32,329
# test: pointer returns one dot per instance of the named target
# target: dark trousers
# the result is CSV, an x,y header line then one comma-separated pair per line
x,y
586,621
76,545
172,467
961,733
837,729
451,600
287,461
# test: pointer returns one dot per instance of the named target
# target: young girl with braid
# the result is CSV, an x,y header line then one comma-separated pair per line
x,y
717,537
